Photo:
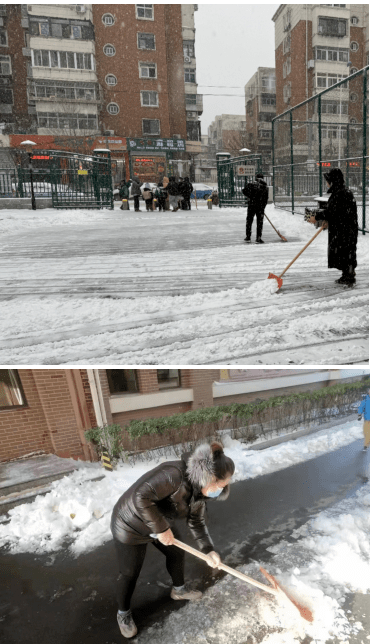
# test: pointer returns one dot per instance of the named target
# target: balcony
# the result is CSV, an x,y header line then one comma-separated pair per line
x,y
194,103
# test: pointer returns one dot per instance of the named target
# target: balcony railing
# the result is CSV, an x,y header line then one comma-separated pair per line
x,y
194,104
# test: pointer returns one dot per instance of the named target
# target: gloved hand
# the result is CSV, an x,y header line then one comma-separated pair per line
x,y
359,417
166,537
215,559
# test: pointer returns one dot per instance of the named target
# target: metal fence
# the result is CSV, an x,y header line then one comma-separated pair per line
x,y
328,130
232,176
71,180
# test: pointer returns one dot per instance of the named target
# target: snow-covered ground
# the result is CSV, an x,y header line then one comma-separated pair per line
x,y
173,288
330,557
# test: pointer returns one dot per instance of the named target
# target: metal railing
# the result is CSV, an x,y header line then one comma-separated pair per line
x,y
232,176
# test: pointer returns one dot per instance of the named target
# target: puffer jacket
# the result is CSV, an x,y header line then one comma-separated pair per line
x,y
161,495
364,408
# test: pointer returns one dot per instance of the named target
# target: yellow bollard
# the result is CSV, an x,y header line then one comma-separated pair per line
x,y
106,460
125,205
209,202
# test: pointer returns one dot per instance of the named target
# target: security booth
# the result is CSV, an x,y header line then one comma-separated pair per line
x,y
149,159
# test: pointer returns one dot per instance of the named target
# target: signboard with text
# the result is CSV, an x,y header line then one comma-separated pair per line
x,y
161,145
246,170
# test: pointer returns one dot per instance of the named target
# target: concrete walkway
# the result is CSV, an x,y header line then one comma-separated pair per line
x,y
65,600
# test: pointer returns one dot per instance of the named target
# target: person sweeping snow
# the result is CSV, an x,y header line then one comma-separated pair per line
x,y
364,409
341,218
145,514
257,194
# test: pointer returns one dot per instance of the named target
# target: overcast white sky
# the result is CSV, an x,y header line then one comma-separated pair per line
x,y
231,41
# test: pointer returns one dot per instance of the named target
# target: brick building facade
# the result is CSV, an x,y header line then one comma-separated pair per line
x,y
49,410
260,107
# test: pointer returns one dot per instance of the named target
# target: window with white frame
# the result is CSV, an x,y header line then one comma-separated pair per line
x,y
109,50
287,20
354,20
75,31
145,11
354,46
64,90
151,126
145,41
108,19
148,70
334,107
268,100
286,44
188,48
62,59
61,121
3,38
334,132
332,55
112,108
189,75
5,66
58,28
149,99
111,79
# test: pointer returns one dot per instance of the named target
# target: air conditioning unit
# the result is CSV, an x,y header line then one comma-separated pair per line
x,y
80,8
311,64
187,59
109,133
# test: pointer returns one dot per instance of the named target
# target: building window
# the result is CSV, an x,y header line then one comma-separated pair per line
x,y
334,132
112,108
268,100
149,99
332,55
334,107
354,20
109,50
287,20
108,19
354,46
75,31
148,70
190,99
151,126
62,59
268,82
332,27
189,75
6,96
11,391
265,134
145,11
122,381
188,48
3,38
5,66
71,122
146,41
110,79
286,44
67,91
168,378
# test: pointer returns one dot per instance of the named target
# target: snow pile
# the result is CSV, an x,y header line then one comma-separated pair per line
x,y
263,288
79,511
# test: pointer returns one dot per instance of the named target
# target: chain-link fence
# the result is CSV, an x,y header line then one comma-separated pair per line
x,y
328,130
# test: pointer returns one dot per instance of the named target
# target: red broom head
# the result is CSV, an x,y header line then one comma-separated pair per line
x,y
278,279
305,612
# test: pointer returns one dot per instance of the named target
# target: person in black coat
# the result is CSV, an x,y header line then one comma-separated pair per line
x,y
145,514
341,217
186,188
257,194
174,193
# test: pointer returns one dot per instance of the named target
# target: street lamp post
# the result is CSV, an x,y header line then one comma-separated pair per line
x,y
28,146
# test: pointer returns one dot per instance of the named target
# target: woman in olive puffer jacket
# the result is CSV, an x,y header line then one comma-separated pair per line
x,y
145,514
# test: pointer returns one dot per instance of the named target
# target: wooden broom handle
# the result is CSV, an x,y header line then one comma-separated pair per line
x,y
222,566
301,251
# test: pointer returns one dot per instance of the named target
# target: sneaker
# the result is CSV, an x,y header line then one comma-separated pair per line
x,y
186,593
248,240
127,625
347,280
259,241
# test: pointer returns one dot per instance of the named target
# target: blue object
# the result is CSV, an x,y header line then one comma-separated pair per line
x,y
214,495
364,408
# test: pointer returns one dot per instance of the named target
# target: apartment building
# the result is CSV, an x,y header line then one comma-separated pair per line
x,y
49,410
227,133
260,107
193,100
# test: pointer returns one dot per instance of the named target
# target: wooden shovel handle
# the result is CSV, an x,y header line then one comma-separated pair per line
x,y
221,566
301,251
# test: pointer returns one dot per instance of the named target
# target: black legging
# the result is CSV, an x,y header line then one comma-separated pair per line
x,y
250,217
130,561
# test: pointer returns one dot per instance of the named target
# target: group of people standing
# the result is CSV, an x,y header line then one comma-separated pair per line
x,y
168,193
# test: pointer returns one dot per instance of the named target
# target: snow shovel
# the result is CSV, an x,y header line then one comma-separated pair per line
x,y
276,589
280,235
278,277
195,197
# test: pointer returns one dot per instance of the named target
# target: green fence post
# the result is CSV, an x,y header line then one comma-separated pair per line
x,y
347,155
320,151
364,118
292,159
273,161
20,181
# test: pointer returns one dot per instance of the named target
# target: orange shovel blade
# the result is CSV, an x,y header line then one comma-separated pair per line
x,y
305,612
278,279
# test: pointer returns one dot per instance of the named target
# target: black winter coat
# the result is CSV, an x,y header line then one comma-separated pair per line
x,y
173,188
257,193
341,215
155,500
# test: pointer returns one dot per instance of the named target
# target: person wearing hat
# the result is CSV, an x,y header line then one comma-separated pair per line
x,y
145,514
341,217
257,195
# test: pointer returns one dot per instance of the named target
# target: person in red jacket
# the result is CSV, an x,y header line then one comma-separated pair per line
x,y
145,514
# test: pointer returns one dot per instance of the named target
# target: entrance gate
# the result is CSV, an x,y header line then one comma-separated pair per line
x,y
80,180
232,176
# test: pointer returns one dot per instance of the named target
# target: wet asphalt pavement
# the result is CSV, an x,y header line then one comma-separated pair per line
x,y
62,600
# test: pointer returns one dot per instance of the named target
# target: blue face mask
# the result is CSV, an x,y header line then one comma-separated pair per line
x,y
214,495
